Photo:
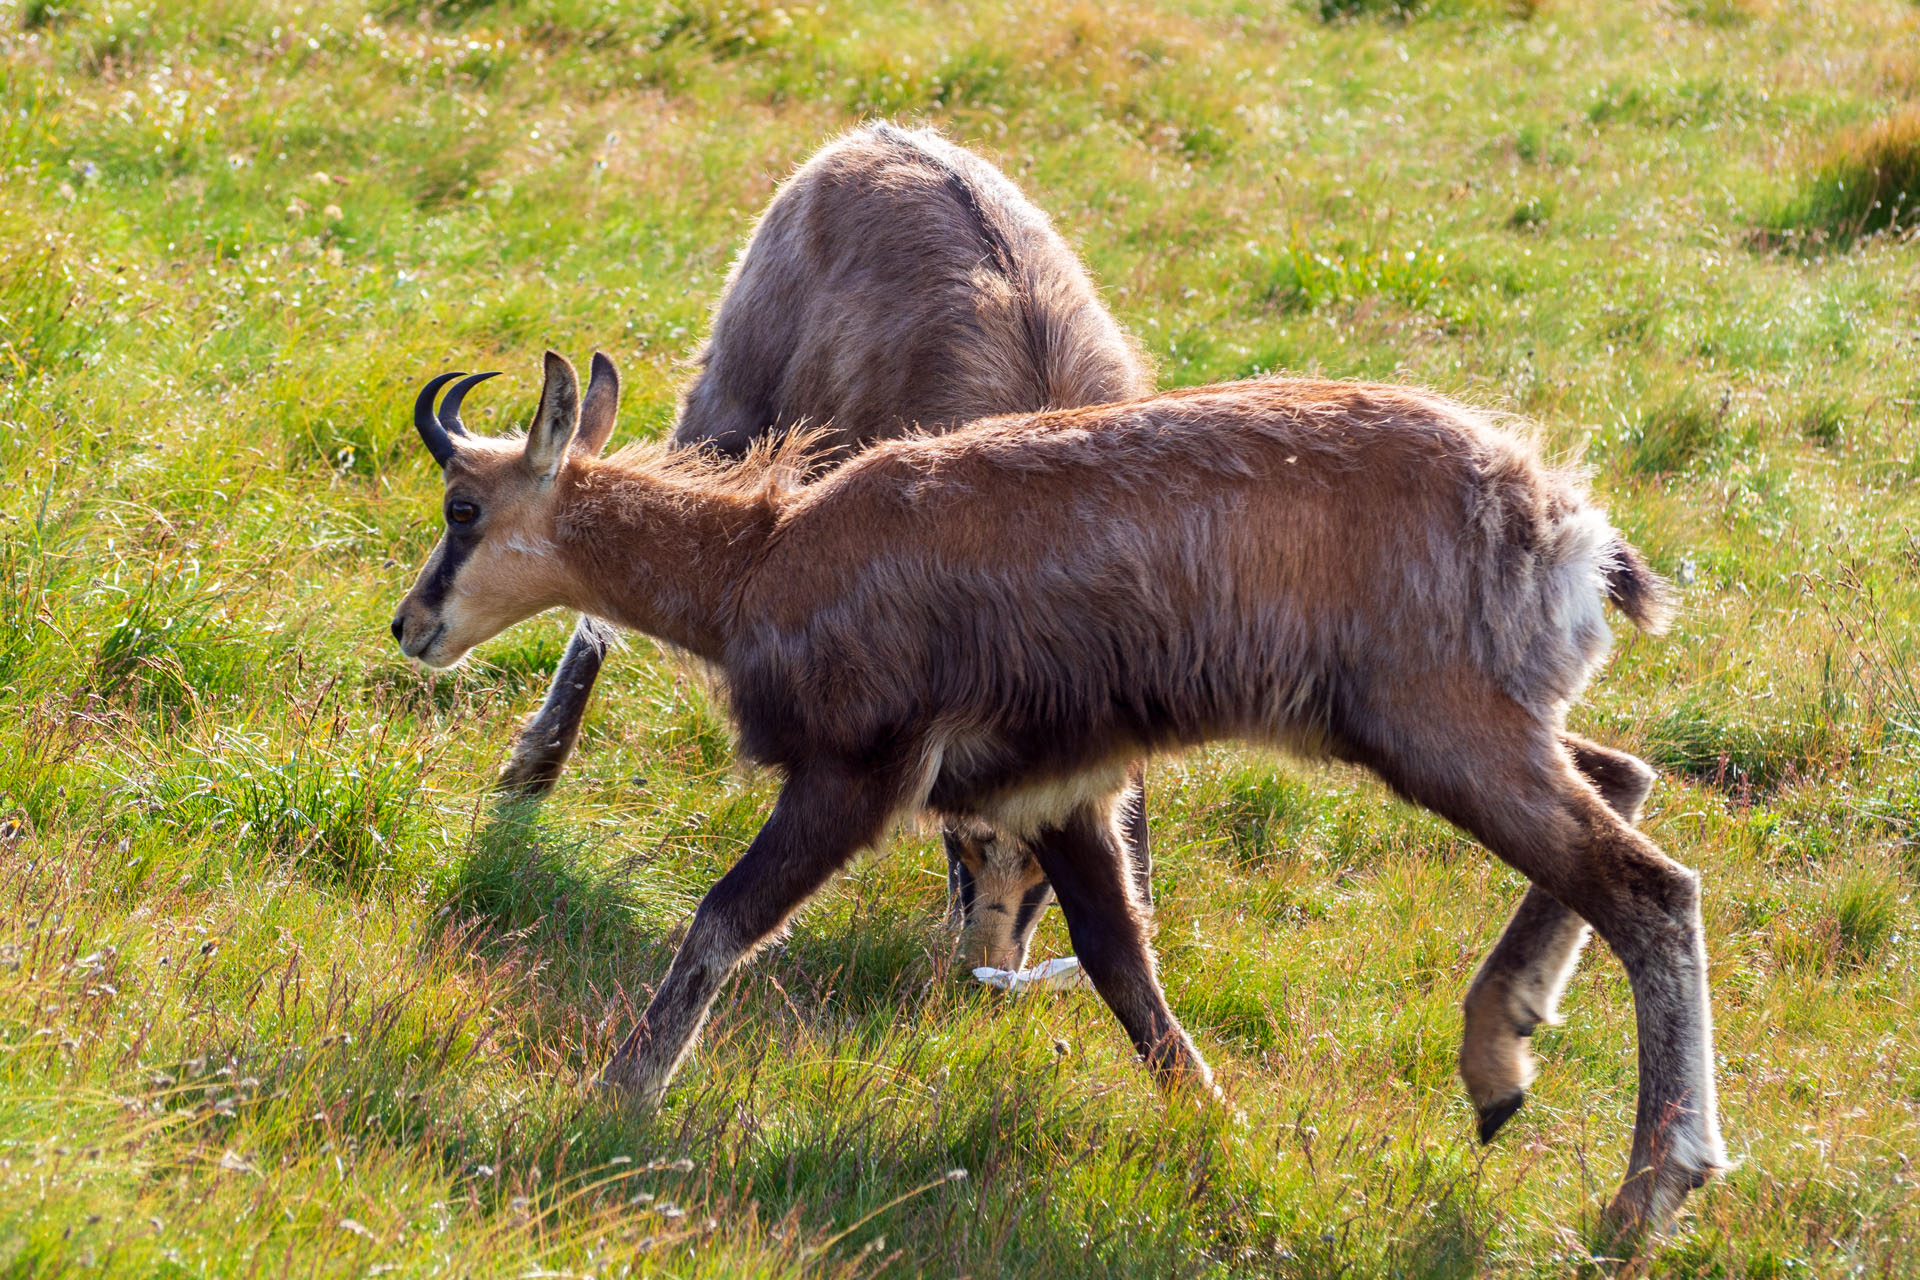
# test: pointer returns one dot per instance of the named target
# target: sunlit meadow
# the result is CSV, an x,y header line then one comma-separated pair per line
x,y
284,990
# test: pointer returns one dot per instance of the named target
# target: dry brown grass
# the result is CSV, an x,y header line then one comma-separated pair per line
x,y
1864,181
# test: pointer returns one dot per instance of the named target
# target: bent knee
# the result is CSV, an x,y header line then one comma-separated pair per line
x,y
1623,781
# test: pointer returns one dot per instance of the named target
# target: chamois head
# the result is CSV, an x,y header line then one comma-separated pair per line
x,y
495,565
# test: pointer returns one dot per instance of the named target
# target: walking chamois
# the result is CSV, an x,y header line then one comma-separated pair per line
x,y
991,624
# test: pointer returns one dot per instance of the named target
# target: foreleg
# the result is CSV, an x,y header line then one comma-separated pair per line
x,y
541,750
1088,868
821,819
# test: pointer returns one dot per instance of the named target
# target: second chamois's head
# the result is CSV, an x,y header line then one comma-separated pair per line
x,y
495,564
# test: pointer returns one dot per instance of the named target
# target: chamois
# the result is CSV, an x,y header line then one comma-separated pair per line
x,y
990,624
896,282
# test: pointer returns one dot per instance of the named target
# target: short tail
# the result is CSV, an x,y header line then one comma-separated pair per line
x,y
1636,590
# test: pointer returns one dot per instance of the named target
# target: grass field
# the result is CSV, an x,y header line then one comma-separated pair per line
x,y
283,991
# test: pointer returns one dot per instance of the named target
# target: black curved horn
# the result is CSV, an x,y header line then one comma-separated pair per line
x,y
450,407
432,434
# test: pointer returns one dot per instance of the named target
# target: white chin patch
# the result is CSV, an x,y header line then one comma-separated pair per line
x,y
442,662
442,653
439,656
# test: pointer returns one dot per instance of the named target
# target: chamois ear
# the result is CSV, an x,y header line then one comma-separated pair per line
x,y
599,409
555,421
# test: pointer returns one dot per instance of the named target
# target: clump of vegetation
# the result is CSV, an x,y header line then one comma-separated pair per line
x,y
1301,276
1336,10
1866,182
1676,433
41,320
1532,214
1721,13
170,649
343,805
1850,925
1256,812
1866,911
1823,421
1717,742
1540,143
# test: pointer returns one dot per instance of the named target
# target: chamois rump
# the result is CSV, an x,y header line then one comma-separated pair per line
x,y
895,283
992,623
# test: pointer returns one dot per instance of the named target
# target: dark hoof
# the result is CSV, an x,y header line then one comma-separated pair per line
x,y
1492,1117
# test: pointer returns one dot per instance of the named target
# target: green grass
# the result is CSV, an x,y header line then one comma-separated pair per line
x,y
1867,181
282,991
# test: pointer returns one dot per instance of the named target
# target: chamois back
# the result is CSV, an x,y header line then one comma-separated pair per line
x,y
1284,560
898,282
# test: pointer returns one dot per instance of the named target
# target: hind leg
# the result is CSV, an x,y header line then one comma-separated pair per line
x,y
1516,988
1516,788
1518,985
1623,781
1133,826
1087,865
541,750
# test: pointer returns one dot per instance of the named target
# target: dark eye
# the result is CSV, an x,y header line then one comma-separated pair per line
x,y
462,512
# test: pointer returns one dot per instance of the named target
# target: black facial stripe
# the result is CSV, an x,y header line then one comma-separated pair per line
x,y
960,888
454,552
1032,902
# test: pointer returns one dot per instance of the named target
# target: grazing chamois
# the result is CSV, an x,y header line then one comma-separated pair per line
x,y
993,623
896,283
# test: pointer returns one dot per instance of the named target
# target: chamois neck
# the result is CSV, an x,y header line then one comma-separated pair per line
x,y
660,548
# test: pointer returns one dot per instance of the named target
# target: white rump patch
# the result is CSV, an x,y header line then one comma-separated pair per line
x,y
1546,627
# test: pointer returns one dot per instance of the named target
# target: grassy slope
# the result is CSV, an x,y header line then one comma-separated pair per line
x,y
282,993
